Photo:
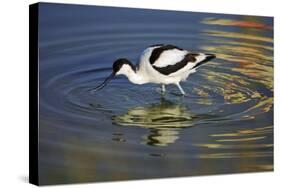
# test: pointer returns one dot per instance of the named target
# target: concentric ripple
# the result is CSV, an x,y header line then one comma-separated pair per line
x,y
226,115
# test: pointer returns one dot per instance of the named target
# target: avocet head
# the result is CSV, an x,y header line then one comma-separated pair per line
x,y
123,66
119,67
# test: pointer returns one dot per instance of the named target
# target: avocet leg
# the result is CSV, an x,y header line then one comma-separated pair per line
x,y
180,88
163,89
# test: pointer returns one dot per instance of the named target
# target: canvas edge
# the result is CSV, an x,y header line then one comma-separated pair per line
x,y
33,94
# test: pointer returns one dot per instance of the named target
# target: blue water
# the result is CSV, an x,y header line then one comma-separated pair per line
x,y
126,131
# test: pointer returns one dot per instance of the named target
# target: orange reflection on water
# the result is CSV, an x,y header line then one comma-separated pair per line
x,y
235,35
239,23
232,146
246,132
235,155
248,54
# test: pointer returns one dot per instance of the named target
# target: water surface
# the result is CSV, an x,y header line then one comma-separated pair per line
x,y
126,131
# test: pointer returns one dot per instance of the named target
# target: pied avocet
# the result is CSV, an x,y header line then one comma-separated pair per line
x,y
160,64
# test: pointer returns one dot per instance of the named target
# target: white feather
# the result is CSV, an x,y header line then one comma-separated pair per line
x,y
170,57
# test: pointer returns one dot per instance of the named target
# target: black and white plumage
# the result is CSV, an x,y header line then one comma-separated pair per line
x,y
160,64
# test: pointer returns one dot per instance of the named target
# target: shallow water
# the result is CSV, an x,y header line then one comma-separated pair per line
x,y
126,131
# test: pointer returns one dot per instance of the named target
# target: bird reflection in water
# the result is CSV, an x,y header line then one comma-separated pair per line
x,y
164,120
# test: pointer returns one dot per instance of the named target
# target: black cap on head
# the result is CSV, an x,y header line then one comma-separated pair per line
x,y
117,65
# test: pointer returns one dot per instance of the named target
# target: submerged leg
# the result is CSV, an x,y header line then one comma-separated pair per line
x,y
180,88
163,89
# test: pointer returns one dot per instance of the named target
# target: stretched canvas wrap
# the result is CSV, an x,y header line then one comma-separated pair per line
x,y
141,121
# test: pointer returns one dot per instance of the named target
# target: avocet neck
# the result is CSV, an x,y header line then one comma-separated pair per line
x,y
136,77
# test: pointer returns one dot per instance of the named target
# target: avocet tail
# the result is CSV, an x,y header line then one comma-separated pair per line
x,y
202,59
